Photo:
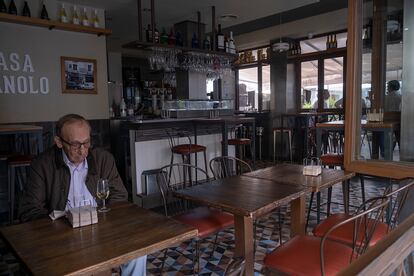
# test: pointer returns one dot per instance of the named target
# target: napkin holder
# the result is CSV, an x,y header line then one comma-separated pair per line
x,y
82,216
312,170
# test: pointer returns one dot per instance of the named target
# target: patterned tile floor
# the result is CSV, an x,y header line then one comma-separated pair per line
x,y
179,259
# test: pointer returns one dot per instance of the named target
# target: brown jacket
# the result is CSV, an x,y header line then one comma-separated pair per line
x,y
49,180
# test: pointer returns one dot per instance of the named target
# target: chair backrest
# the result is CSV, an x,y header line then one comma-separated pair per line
x,y
176,177
397,201
235,267
226,166
364,222
238,131
177,135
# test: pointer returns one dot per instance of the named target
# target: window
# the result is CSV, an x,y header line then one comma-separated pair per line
x,y
248,89
309,84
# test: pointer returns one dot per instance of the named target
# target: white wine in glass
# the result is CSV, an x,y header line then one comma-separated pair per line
x,y
102,192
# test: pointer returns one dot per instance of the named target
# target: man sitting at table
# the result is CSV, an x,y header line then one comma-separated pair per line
x,y
66,175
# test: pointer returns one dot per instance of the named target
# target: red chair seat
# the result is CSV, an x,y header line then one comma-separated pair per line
x,y
20,160
301,256
186,149
344,234
238,141
206,220
334,159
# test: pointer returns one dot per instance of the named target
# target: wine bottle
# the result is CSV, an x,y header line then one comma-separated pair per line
x,y
43,13
226,44
95,19
232,46
179,39
156,35
164,37
220,40
3,7
206,43
12,8
148,33
335,44
26,10
85,19
171,37
194,41
75,16
62,15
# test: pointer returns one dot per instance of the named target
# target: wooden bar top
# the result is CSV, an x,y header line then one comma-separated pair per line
x,y
19,128
242,195
291,174
126,232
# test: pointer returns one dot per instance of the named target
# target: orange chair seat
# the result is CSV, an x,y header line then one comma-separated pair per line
x,y
206,220
344,234
186,149
334,159
20,160
239,141
301,256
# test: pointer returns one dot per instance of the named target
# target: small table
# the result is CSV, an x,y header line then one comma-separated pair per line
x,y
247,198
24,129
126,232
386,127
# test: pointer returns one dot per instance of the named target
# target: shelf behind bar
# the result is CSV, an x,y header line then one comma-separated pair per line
x,y
145,45
52,24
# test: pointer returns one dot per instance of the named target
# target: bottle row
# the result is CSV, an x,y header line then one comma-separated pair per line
x,y
223,43
331,42
76,17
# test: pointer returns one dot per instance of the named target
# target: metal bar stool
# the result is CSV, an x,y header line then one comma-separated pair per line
x,y
14,166
239,140
282,131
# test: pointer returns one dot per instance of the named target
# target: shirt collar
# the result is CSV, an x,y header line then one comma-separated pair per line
x,y
83,165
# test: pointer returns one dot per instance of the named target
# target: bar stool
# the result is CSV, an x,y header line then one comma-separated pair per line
x,y
186,149
333,160
239,140
282,131
14,165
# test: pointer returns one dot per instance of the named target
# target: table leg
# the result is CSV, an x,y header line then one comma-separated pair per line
x,y
318,142
253,145
243,227
298,216
388,144
224,139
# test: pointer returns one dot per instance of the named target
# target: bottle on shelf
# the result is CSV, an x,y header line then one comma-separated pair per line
x,y
95,19
156,35
232,46
226,44
194,41
3,7
171,38
220,40
328,42
179,39
12,8
85,19
148,33
335,42
62,14
26,9
75,16
207,43
43,14
164,37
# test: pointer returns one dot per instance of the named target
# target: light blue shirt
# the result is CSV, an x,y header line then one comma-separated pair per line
x,y
79,194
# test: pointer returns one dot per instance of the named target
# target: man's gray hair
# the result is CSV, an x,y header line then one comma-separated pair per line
x,y
68,119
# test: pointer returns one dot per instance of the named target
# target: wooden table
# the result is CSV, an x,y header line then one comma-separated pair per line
x,y
386,127
246,198
37,131
126,232
257,193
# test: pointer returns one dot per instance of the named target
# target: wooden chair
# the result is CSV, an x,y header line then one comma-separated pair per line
x,y
310,255
397,200
206,220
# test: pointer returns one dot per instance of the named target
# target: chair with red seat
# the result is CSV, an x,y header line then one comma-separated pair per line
x,y
15,165
206,220
239,140
310,255
397,200
186,149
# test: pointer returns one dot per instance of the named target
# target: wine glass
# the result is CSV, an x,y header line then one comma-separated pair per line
x,y
102,192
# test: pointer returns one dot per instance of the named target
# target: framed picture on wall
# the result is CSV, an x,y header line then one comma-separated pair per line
x,y
78,75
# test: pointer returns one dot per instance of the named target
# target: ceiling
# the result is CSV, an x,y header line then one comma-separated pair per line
x,y
121,15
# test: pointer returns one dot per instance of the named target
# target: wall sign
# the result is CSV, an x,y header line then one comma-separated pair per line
x,y
16,75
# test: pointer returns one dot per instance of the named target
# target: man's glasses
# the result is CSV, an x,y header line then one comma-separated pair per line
x,y
76,145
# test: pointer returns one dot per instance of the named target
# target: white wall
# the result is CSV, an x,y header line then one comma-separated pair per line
x,y
45,47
